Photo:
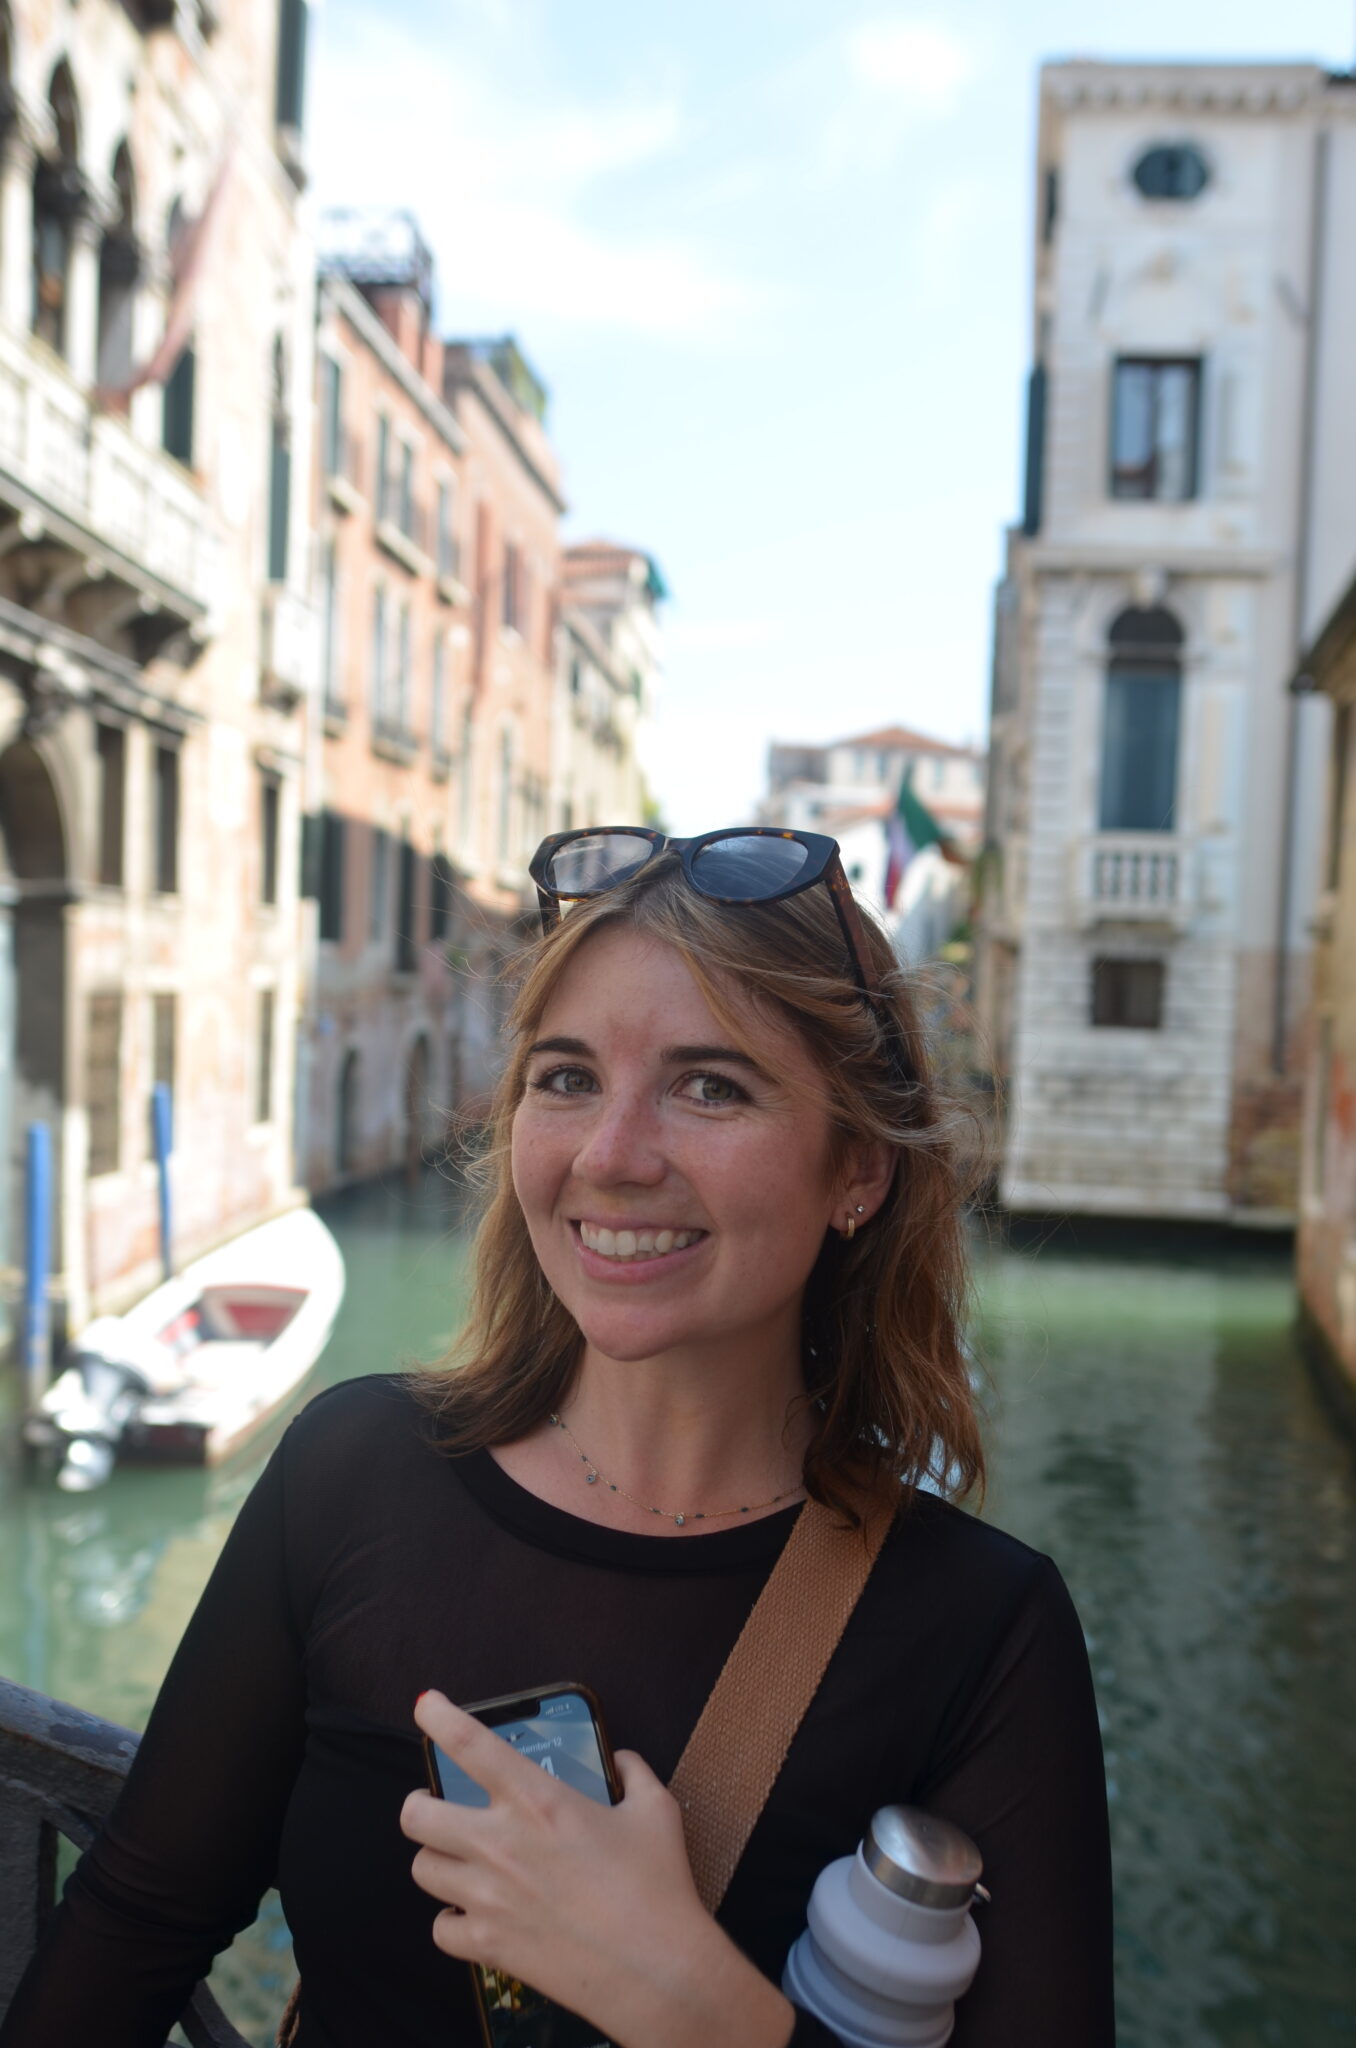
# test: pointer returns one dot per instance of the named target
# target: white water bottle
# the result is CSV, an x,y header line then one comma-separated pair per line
x,y
890,1944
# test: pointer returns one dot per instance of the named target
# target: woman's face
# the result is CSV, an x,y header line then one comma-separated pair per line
x,y
677,1195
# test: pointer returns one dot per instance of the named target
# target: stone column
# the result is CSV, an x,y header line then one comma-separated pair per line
x,y
82,299
17,158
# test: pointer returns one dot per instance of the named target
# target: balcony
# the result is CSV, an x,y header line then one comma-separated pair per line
x,y
393,740
289,648
1133,877
91,504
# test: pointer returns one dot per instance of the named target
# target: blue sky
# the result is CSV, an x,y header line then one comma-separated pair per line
x,y
771,258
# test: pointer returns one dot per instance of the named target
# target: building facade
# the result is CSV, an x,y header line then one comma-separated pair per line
x,y
607,684
1154,822
848,789
1327,1208
156,641
392,1034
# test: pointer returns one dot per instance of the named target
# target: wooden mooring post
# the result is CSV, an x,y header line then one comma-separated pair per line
x,y
60,1772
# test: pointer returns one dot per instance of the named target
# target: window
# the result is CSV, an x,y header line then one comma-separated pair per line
x,y
291,85
332,415
378,656
438,708
279,470
331,875
1341,777
166,820
1140,724
1128,994
383,476
464,760
504,835
331,679
376,924
176,431
440,886
405,911
511,615
1154,415
405,491
103,1072
164,1010
112,750
59,196
402,678
1049,202
270,806
263,1065
446,543
1174,170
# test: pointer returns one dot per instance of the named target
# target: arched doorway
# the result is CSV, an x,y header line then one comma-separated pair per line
x,y
416,1097
33,893
346,1135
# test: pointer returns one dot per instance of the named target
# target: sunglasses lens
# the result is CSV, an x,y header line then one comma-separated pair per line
x,y
747,866
598,861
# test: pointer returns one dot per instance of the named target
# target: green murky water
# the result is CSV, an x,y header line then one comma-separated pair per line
x,y
1153,1427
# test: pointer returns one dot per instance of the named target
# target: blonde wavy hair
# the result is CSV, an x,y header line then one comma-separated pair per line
x,y
886,1378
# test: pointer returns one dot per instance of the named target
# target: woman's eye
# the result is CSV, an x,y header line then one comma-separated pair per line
x,y
713,1088
565,1081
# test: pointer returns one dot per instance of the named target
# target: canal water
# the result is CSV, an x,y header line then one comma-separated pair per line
x,y
1152,1426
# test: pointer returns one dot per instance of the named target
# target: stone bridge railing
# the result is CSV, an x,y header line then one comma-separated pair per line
x,y
60,1771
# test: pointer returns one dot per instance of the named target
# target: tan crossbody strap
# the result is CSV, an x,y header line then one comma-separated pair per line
x,y
771,1675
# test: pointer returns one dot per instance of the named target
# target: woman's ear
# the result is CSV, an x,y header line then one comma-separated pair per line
x,y
867,1179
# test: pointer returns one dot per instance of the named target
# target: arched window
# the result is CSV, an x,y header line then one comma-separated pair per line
x,y
119,270
1140,723
59,196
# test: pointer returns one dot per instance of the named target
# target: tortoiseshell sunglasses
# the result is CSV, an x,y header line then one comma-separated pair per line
x,y
737,864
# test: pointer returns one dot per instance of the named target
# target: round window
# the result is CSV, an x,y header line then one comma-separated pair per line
x,y
1172,170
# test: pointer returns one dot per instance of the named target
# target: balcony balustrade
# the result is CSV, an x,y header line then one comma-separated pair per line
x,y
74,478
1137,877
60,1772
289,648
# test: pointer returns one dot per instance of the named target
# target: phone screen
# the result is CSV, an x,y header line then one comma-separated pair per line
x,y
561,1738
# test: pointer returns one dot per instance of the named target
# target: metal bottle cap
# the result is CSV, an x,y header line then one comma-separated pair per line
x,y
921,1858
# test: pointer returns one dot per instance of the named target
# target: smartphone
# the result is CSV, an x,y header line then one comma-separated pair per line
x,y
560,1728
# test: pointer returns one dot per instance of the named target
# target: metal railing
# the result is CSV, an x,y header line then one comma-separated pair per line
x,y
60,1772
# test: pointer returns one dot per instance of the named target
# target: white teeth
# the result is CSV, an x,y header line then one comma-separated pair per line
x,y
632,1244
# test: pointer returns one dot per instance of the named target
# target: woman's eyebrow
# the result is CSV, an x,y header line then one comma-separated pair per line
x,y
681,1055
573,1046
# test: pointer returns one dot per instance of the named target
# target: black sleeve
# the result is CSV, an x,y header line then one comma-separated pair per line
x,y
1021,1771
192,1843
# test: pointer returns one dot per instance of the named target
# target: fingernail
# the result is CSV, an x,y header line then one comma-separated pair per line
x,y
423,1695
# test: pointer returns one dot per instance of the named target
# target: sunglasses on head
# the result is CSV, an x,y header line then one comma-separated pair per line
x,y
737,864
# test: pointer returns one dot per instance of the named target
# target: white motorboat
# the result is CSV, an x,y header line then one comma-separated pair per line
x,y
202,1362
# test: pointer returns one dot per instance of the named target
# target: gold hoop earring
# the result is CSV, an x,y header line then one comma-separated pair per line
x,y
851,1230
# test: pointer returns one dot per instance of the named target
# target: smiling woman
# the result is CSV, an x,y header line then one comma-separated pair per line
x,y
719,1271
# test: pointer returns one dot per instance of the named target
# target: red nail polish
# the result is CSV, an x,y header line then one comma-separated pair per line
x,y
423,1695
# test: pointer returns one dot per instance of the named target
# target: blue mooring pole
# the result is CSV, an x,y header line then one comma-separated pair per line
x,y
37,1263
163,1127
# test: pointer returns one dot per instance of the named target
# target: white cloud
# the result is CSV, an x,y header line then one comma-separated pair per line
x,y
921,66
501,175
878,82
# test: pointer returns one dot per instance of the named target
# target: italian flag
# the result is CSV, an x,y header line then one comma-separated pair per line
x,y
908,829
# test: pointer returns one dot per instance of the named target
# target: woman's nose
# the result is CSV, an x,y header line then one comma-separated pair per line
x,y
623,1143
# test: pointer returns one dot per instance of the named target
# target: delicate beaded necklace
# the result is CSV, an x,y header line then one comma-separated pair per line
x,y
592,1477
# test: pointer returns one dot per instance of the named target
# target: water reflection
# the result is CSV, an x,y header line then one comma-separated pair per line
x,y
1153,1428
1156,1431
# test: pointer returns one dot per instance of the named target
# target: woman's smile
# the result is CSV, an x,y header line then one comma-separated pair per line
x,y
626,1244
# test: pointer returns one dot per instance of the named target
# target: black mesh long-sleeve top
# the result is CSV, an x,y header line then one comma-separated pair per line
x,y
366,1565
